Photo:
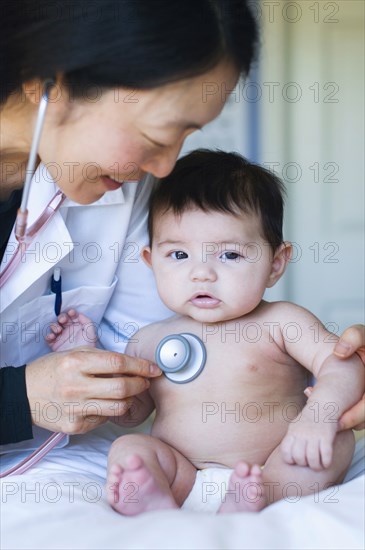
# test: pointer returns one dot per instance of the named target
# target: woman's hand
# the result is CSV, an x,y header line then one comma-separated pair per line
x,y
351,341
78,390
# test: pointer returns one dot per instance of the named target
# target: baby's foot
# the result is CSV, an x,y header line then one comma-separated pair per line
x,y
72,330
246,492
133,490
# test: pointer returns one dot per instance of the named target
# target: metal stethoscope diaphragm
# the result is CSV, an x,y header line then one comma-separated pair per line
x,y
181,357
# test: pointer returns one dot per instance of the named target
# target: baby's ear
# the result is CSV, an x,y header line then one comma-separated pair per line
x,y
146,255
280,260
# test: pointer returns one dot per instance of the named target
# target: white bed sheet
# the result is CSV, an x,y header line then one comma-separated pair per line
x,y
61,504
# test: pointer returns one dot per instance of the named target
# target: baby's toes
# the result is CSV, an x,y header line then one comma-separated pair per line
x,y
112,485
115,473
256,470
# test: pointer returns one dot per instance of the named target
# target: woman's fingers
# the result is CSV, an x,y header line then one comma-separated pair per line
x,y
84,383
96,361
351,341
113,388
308,391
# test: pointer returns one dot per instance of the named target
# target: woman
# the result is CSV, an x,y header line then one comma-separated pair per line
x,y
131,82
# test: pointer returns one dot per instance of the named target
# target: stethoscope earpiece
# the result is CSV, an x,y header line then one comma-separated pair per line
x,y
47,85
181,357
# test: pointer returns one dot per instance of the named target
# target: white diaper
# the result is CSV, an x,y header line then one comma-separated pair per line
x,y
208,491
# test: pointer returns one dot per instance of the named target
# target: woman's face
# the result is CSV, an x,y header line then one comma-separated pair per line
x,y
122,134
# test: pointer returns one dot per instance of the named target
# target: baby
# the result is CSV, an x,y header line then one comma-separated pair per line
x,y
215,227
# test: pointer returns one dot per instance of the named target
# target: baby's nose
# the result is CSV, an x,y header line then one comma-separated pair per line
x,y
203,272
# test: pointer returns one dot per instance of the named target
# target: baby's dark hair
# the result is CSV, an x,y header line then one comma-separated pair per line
x,y
222,182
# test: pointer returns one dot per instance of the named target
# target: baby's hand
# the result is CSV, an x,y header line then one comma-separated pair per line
x,y
72,329
309,443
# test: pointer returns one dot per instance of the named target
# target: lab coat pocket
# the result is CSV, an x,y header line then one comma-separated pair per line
x,y
37,316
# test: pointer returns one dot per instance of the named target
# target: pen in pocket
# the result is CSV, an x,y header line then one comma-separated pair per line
x,y
56,287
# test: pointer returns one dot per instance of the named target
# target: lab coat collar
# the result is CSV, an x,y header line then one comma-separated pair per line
x,y
110,197
42,190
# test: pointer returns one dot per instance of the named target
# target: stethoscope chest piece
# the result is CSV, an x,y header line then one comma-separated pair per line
x,y
181,357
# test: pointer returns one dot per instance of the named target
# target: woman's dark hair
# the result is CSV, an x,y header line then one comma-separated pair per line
x,y
221,182
127,43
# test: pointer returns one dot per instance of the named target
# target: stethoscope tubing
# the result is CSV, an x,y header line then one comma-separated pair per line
x,y
28,238
35,457
35,143
25,238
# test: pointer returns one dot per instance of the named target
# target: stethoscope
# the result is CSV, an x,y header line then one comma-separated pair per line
x,y
180,356
23,235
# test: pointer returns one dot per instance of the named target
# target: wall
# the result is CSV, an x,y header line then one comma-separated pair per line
x,y
302,115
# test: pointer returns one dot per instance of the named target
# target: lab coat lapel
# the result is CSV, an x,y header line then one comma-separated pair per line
x,y
48,247
109,198
54,242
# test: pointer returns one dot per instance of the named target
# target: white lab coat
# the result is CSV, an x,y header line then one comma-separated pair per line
x,y
97,248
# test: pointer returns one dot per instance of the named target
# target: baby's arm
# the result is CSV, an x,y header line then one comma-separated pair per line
x,y
310,436
141,405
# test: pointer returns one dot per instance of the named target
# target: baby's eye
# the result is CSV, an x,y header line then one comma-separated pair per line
x,y
230,256
179,255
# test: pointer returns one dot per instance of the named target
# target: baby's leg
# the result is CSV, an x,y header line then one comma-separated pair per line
x,y
282,480
146,474
72,330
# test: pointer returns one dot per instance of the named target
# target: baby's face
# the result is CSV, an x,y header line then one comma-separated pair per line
x,y
210,266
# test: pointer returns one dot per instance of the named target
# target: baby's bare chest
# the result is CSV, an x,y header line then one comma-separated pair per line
x,y
241,366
